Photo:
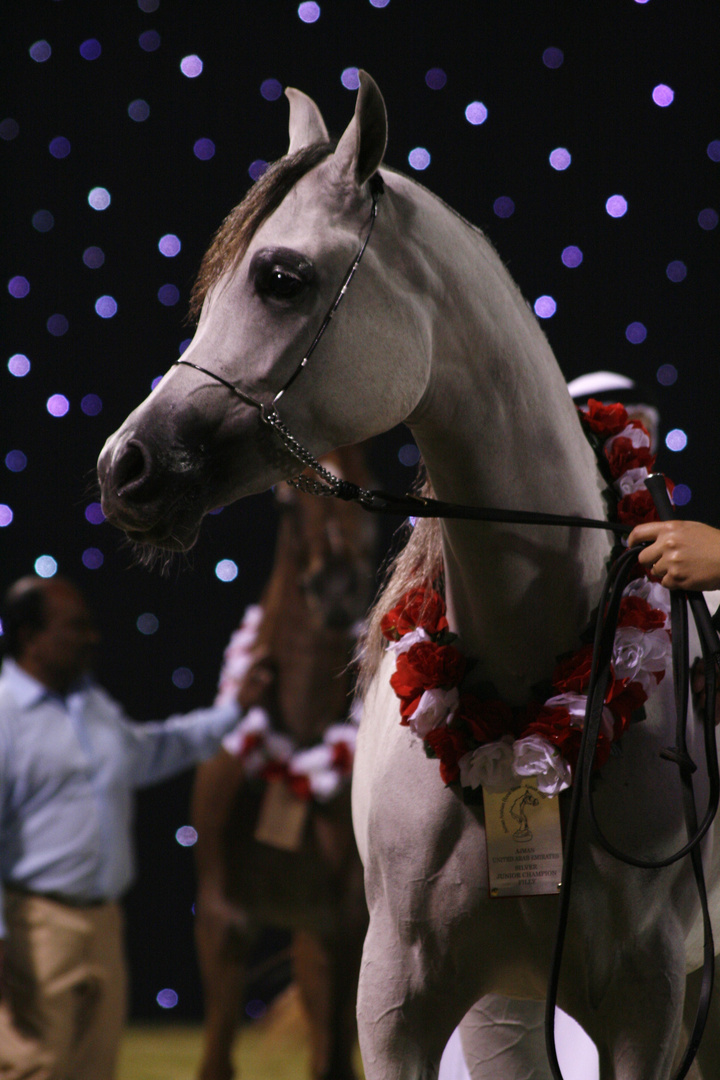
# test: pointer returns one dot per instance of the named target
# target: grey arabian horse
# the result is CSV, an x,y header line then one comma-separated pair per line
x,y
432,332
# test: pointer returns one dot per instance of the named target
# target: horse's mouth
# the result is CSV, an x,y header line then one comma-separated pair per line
x,y
168,534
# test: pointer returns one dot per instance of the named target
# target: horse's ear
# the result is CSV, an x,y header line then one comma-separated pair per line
x,y
361,149
306,123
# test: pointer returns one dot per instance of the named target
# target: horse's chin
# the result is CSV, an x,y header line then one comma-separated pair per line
x,y
175,536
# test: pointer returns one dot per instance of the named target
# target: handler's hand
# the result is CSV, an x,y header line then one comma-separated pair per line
x,y
683,554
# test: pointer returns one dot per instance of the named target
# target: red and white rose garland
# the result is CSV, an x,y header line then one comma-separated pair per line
x,y
317,772
480,740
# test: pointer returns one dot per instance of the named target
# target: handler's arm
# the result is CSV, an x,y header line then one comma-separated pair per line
x,y
683,554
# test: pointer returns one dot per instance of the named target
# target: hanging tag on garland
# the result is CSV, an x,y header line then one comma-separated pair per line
x,y
524,841
282,817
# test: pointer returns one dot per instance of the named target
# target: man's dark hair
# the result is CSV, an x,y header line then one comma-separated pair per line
x,y
23,608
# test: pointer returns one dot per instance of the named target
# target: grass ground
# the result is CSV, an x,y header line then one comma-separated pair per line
x,y
274,1048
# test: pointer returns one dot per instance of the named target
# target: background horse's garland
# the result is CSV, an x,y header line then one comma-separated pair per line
x,y
318,772
480,739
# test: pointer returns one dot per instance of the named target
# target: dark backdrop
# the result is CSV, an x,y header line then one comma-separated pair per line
x,y
597,103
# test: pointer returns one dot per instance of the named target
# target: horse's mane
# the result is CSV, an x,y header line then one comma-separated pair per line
x,y
237,230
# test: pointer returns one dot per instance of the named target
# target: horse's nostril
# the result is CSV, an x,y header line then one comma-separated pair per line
x,y
131,469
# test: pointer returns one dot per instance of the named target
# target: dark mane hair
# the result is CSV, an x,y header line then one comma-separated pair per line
x,y
237,230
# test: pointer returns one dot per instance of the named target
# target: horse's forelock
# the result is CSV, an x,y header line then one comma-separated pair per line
x,y
237,230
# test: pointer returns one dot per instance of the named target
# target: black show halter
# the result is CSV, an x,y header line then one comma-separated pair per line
x,y
608,611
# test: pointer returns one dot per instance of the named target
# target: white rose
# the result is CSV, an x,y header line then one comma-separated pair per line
x,y
490,766
535,756
631,481
407,641
433,709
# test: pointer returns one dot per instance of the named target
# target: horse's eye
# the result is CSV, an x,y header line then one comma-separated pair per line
x,y
283,284
280,273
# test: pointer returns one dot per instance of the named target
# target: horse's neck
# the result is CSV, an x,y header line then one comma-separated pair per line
x,y
496,427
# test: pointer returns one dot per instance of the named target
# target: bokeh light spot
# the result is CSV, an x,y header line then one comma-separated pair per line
x,y
40,51
9,129
45,566
156,381
138,110
183,678
59,147
106,306
90,49
93,257
663,96
18,365
435,78
149,40
409,454
681,495
560,159
6,515
270,89
666,374
93,558
18,286
204,149
57,405
504,207
167,999
43,220
191,66
708,219
350,78
476,113
676,439
148,6
713,150
183,345
15,460
616,206
419,158
168,295
572,256
545,307
676,270
226,570
553,57
147,623
186,836
636,332
309,12
57,325
99,198
379,3
91,405
94,513
257,169
169,245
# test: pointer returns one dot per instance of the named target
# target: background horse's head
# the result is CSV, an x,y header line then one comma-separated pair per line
x,y
265,285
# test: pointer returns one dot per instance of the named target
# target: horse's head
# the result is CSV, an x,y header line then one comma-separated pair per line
x,y
265,285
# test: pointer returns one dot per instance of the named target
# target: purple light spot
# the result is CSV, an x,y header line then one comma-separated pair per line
x,y
476,113
43,220
183,345
93,558
504,207
270,89
158,379
93,257
560,158
186,836
191,66
168,295
676,271
713,150
148,5
419,158
99,198
676,439
204,149
708,219
350,78
666,374
106,306
18,286
6,515
572,256
309,12
256,1008
681,495
90,49
641,1
9,129
636,333
217,510
15,460
138,110
148,623
545,307
46,566
57,405
663,96
40,51
167,999
183,678
94,513
553,57
18,365
257,169
616,206
169,245
57,325
59,147
149,40
91,405
409,455
379,3
435,78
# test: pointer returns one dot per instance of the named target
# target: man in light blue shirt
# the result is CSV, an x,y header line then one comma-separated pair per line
x,y
70,761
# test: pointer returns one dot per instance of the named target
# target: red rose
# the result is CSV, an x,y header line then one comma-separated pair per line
x,y
300,787
487,721
623,699
405,682
622,456
554,725
605,420
634,611
436,665
636,508
449,745
342,758
572,675
422,608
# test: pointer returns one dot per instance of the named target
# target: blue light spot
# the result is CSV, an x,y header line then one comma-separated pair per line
x,y
636,333
255,1008
553,58
45,566
183,345
15,460
545,307
183,678
106,306
138,110
43,220
90,49
270,89
572,256
93,558
9,129
419,158
409,454
226,570
167,999
476,113
18,286
57,325
435,78
147,623
676,439
666,374
94,513
676,271
186,836
18,365
504,207
149,40
40,51
681,495
91,405
204,149
169,245
350,78
257,169
59,147
168,295
708,219
93,257
156,381
713,149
